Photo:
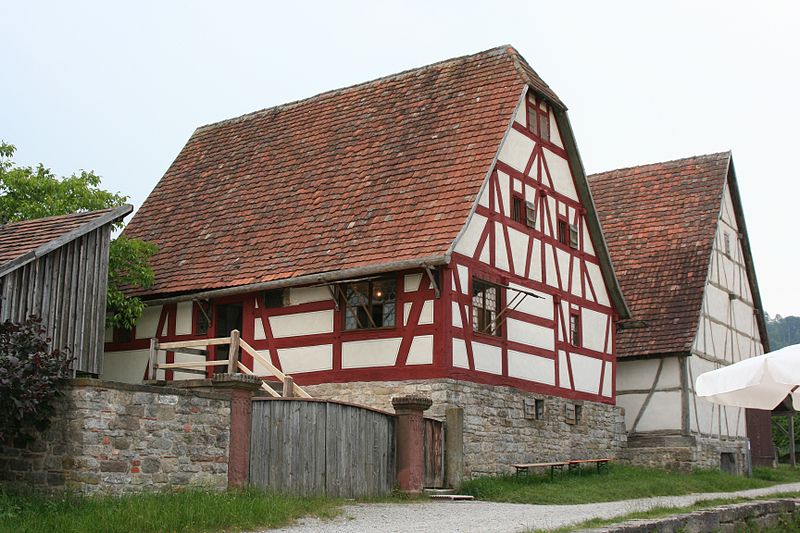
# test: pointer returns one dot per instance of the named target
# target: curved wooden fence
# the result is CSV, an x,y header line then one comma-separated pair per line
x,y
304,446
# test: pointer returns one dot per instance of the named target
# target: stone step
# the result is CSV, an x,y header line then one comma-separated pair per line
x,y
434,492
451,497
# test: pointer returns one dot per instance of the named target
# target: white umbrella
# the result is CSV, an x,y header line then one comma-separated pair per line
x,y
760,382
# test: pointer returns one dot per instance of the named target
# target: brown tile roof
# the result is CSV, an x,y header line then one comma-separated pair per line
x,y
659,222
381,172
20,238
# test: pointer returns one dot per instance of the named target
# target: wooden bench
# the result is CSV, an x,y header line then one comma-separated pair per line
x,y
525,467
602,464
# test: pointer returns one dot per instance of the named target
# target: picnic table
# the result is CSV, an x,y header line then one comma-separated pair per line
x,y
575,464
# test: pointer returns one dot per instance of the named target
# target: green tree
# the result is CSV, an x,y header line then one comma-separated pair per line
x,y
35,192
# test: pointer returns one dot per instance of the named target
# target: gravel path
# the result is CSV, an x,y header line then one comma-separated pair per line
x,y
484,517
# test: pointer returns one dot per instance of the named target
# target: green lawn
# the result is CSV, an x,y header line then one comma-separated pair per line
x,y
620,483
194,511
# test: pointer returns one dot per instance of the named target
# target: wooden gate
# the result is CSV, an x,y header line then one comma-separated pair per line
x,y
433,439
303,446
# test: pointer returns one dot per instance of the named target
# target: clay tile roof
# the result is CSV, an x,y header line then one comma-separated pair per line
x,y
21,239
659,222
382,172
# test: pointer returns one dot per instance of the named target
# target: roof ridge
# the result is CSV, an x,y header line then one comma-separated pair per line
x,y
678,160
53,217
497,50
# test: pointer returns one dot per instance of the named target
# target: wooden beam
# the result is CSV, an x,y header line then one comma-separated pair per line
x,y
296,389
233,351
153,358
288,387
198,364
197,342
272,392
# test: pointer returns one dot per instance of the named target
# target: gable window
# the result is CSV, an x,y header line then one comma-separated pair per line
x,y
574,240
370,304
485,306
538,118
530,214
574,329
517,209
727,244
563,231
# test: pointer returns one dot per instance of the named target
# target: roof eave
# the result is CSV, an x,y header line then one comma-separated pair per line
x,y
592,219
330,277
748,255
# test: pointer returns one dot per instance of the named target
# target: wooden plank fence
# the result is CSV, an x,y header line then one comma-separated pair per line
x,y
305,446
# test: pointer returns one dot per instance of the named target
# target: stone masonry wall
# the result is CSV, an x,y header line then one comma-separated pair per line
x,y
113,438
497,431
684,452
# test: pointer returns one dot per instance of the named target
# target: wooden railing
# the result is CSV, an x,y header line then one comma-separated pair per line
x,y
233,364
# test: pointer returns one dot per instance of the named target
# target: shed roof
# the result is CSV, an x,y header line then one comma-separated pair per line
x,y
659,221
21,242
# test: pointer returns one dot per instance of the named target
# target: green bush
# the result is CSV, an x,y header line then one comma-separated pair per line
x,y
30,375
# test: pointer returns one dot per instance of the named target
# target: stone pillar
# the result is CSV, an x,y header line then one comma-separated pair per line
x,y
410,452
241,389
454,447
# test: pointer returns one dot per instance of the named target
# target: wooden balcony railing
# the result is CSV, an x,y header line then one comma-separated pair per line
x,y
233,364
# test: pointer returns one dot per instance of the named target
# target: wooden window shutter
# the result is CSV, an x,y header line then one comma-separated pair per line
x,y
574,241
530,214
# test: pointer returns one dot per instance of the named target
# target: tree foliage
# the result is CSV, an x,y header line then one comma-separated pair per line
x,y
35,192
29,377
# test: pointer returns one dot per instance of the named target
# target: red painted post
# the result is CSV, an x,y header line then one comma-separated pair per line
x,y
410,452
241,389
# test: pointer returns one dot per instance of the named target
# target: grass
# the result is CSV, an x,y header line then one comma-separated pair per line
x,y
195,511
620,483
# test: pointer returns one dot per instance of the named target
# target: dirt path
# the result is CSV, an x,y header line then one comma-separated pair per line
x,y
484,517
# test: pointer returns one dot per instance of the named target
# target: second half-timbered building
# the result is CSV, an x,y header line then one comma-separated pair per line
x,y
677,235
430,231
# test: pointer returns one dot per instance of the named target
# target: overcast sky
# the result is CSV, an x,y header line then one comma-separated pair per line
x,y
119,89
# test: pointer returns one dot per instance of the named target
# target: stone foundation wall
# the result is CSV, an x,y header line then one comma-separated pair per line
x,y
499,422
113,438
783,515
685,453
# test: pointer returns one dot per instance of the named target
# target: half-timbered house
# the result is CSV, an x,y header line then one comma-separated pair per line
x,y
428,231
677,236
56,269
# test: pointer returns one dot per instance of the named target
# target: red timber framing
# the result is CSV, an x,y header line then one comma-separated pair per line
x,y
537,269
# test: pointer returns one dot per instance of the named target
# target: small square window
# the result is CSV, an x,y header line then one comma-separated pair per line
x,y
274,298
563,231
370,304
574,329
578,413
534,409
517,209
530,214
539,404
569,413
574,240
485,307
122,336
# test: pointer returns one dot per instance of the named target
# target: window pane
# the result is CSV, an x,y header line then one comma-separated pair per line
x,y
356,302
533,120
544,126
383,303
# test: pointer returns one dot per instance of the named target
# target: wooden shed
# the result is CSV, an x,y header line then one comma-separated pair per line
x,y
56,268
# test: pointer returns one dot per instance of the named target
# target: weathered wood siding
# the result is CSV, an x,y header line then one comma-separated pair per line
x,y
317,447
433,445
67,289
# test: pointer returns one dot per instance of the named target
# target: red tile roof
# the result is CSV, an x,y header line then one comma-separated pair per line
x,y
20,238
659,221
381,172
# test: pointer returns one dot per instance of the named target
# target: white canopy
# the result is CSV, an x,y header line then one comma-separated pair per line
x,y
760,382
